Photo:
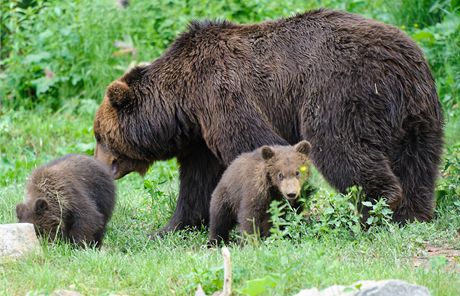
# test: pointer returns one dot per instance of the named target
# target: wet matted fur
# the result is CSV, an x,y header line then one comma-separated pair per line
x,y
71,198
358,90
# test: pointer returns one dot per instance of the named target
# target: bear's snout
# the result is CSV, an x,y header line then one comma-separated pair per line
x,y
292,195
290,188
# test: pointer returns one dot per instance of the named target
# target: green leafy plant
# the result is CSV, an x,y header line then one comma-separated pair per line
x,y
420,13
328,213
441,45
336,213
260,286
286,222
211,279
448,189
379,213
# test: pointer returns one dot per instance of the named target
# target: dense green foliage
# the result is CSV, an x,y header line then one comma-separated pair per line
x,y
55,50
57,57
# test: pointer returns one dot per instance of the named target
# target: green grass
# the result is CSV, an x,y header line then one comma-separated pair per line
x,y
56,50
130,263
44,117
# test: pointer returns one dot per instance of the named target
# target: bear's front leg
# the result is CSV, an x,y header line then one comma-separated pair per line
x,y
199,173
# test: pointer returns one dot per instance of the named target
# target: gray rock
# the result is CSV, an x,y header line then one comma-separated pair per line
x,y
370,288
199,291
65,293
17,239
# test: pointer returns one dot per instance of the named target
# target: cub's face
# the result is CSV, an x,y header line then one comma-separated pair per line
x,y
24,214
37,213
288,168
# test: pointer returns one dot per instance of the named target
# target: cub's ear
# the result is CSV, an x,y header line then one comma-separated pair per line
x,y
303,147
41,206
119,94
267,152
20,209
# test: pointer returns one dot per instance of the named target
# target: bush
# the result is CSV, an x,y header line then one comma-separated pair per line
x,y
329,214
419,13
55,50
448,189
441,44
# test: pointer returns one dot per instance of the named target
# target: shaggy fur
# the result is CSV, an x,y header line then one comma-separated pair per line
x,y
251,182
71,198
358,90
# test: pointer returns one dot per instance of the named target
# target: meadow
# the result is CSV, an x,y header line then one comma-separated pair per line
x,y
56,59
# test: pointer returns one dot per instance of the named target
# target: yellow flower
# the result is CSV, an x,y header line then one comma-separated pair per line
x,y
303,169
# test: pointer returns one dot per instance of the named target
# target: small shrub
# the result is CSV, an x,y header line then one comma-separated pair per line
x,y
328,214
379,213
336,214
211,279
441,45
448,189
161,186
418,12
287,223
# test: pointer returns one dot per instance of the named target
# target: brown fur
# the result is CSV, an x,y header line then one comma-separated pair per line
x,y
358,90
251,182
71,198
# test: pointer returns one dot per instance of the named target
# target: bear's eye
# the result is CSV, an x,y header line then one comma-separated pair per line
x,y
280,176
297,173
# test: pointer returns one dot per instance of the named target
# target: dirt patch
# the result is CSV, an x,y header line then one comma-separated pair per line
x,y
444,257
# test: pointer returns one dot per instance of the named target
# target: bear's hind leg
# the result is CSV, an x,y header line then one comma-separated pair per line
x,y
416,165
344,167
82,231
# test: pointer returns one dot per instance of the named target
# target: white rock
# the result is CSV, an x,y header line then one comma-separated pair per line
x,y
391,287
309,292
199,291
370,288
17,239
65,293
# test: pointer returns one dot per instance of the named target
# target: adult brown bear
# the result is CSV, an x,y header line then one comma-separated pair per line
x,y
358,90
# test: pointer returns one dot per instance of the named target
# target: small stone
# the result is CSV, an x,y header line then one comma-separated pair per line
x,y
391,288
17,239
370,288
309,292
65,293
199,291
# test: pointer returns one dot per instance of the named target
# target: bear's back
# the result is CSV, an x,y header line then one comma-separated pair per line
x,y
74,182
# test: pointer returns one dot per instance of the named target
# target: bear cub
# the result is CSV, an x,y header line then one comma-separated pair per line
x,y
71,198
251,182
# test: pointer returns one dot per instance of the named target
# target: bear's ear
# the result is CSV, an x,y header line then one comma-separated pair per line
x,y
303,147
41,206
267,152
119,94
20,209
134,75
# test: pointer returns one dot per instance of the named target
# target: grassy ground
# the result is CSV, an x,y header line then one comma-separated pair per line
x,y
43,116
130,263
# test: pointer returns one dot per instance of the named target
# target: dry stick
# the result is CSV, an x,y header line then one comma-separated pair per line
x,y
227,290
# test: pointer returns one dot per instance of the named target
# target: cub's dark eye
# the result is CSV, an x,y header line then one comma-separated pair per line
x,y
280,176
297,173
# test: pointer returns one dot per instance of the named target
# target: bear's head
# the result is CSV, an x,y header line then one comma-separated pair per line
x,y
38,212
135,124
288,167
